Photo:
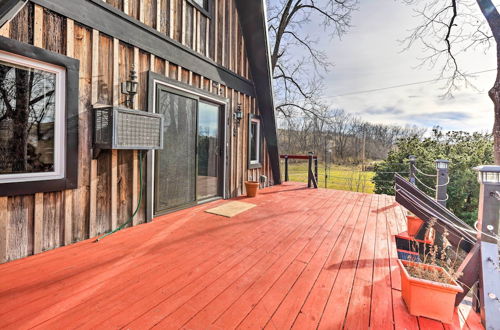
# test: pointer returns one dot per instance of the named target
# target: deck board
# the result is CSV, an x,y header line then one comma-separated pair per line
x,y
358,313
382,316
303,258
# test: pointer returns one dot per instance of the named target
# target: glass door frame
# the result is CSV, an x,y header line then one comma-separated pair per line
x,y
220,169
183,89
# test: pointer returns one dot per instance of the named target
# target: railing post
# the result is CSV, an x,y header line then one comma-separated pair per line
x,y
286,168
309,169
413,161
316,169
442,181
488,230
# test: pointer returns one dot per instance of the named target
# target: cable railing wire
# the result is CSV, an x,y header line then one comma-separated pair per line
x,y
474,231
423,173
444,200
431,212
423,184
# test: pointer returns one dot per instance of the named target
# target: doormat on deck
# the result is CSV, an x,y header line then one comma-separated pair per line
x,y
231,209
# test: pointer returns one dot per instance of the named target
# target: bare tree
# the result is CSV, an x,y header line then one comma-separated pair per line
x,y
450,28
296,60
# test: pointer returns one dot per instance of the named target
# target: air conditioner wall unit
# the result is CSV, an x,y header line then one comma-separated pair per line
x,y
120,128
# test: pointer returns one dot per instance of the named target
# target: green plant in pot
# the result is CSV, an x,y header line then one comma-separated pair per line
x,y
429,288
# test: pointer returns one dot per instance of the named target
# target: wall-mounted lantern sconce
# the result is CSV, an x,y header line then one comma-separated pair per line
x,y
238,114
129,88
237,117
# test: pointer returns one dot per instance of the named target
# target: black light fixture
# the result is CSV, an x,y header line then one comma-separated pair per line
x,y
238,114
217,87
129,87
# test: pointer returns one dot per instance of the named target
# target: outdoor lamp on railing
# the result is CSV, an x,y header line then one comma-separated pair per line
x,y
442,164
442,180
129,88
488,174
488,233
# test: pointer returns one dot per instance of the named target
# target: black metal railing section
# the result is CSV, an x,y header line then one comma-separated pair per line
x,y
312,168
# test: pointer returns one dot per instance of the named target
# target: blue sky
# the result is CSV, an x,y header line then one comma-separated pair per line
x,y
371,57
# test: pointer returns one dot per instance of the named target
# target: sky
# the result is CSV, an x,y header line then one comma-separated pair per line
x,y
370,56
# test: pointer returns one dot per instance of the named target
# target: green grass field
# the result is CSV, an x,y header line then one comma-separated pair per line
x,y
349,178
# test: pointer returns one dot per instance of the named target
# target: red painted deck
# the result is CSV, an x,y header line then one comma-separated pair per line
x,y
303,258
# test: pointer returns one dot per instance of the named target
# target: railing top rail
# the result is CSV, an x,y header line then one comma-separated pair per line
x,y
298,156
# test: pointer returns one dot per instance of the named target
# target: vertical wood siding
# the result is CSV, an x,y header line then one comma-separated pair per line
x,y
108,186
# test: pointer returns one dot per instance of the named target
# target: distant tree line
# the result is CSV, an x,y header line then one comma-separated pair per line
x,y
341,137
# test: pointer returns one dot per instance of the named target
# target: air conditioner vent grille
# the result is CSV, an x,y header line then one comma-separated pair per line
x,y
118,128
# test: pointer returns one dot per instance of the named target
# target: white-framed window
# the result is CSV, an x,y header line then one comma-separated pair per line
x,y
254,143
32,119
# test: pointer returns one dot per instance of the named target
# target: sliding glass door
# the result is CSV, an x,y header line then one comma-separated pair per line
x,y
188,169
208,183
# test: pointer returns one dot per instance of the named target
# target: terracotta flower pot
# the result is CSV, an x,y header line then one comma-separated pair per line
x,y
414,224
251,187
427,298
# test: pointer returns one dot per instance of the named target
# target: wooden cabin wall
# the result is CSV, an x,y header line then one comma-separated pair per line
x,y
218,37
108,186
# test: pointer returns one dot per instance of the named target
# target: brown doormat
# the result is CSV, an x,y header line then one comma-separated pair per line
x,y
231,209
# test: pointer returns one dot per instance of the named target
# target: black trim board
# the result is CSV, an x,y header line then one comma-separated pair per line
x,y
70,181
253,23
107,19
9,8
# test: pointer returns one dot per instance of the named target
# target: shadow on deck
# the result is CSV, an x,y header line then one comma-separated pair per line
x,y
303,258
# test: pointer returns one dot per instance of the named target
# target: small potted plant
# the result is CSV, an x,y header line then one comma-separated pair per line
x,y
414,224
429,288
251,187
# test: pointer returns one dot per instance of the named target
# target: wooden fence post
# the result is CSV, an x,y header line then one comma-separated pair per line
x,y
309,169
286,168
316,168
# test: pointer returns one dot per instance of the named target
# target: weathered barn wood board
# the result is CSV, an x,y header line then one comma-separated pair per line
x,y
125,157
81,196
68,194
93,228
4,228
104,96
39,211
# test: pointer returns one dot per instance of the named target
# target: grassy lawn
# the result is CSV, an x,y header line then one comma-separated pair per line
x,y
339,177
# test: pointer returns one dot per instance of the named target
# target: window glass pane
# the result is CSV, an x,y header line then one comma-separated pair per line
x,y
253,141
27,119
176,163
208,150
